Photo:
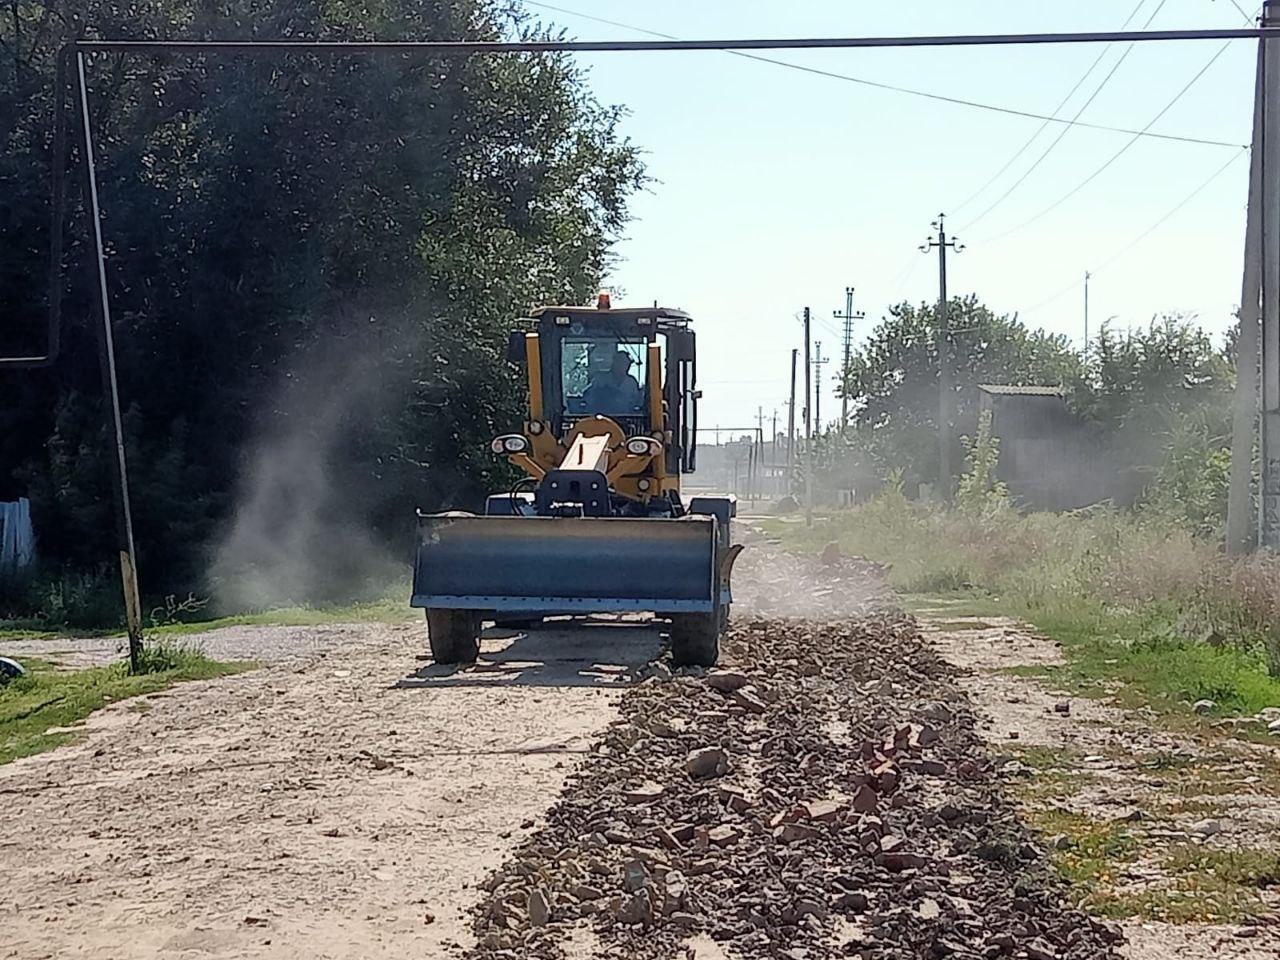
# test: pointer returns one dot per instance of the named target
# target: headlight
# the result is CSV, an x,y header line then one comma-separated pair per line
x,y
640,446
509,444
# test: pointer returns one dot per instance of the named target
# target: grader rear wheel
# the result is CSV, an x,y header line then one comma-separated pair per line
x,y
454,635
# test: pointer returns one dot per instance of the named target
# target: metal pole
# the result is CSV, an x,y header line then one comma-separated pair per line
x,y
808,382
111,391
848,317
791,423
1269,514
817,388
1241,534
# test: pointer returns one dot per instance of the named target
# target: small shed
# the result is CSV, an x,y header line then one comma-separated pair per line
x,y
1044,447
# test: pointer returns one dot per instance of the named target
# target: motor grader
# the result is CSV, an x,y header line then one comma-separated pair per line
x,y
597,523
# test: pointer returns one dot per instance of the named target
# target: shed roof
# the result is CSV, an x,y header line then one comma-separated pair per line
x,y
1021,390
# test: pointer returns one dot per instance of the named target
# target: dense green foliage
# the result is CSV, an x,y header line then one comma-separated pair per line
x,y
1156,402
313,263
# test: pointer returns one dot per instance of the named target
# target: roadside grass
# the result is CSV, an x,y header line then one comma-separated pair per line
x,y
394,608
35,710
1145,613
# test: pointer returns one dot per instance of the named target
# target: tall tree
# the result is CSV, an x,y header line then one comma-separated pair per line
x,y
308,253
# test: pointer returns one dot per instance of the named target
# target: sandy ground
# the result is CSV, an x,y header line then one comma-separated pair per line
x,y
343,801
1114,747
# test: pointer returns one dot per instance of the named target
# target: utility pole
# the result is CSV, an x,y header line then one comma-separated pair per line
x,y
818,361
808,383
848,317
946,376
1241,533
773,440
791,423
1269,508
1087,277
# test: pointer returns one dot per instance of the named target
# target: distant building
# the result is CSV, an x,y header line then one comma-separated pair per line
x,y
1049,457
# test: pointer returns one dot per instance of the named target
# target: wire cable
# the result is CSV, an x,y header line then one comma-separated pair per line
x,y
1045,123
1065,130
1115,156
941,98
1142,236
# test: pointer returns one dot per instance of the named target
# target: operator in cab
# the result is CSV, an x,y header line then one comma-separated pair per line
x,y
615,392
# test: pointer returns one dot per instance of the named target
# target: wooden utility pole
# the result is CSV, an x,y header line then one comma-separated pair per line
x,y
1269,508
1241,533
848,317
791,422
946,376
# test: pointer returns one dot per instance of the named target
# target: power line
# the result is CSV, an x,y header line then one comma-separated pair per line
x,y
1094,271
1065,130
909,91
1045,124
1115,156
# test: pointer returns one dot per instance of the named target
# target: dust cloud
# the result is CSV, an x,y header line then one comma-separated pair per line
x,y
300,532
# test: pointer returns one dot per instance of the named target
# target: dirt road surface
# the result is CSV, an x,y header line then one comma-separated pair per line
x,y
827,794
343,801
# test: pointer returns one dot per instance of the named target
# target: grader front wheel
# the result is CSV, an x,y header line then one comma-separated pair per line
x,y
695,638
454,635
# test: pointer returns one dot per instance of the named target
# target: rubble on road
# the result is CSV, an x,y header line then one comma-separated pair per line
x,y
748,820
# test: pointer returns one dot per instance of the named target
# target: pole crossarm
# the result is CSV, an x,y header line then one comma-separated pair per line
x,y
472,47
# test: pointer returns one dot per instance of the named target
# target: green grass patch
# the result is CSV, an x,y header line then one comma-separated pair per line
x,y
35,708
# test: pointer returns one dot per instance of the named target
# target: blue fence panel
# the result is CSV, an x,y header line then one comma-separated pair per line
x,y
17,538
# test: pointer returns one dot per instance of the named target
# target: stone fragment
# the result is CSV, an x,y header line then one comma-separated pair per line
x,y
1062,707
646,792
538,907
824,811
1203,706
864,800
727,681
706,762
637,909
634,875
794,832
748,701
724,835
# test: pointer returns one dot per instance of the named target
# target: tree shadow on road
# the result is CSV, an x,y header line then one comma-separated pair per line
x,y
559,653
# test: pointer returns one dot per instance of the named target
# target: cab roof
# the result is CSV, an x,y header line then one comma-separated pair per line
x,y
613,313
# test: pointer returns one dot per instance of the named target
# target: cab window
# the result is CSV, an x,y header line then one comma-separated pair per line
x,y
604,375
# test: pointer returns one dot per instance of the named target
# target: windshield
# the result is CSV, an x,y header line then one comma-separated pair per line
x,y
604,375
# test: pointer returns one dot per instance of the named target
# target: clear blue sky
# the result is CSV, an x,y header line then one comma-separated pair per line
x,y
775,189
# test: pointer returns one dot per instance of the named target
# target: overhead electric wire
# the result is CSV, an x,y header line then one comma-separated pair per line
x,y
893,88
1065,130
1115,156
1045,123
1142,236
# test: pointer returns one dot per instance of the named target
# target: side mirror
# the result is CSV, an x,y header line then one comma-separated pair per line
x,y
680,345
516,352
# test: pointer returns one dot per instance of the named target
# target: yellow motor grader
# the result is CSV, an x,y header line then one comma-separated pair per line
x,y
597,523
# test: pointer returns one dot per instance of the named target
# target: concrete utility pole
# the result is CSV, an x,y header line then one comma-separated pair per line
x,y
808,382
1269,509
1242,535
946,376
791,422
1087,277
818,361
848,317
